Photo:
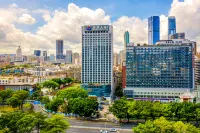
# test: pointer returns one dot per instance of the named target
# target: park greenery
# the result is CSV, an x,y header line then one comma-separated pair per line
x,y
162,125
72,100
25,122
135,109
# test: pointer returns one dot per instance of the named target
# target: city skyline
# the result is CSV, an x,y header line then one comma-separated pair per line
x,y
31,28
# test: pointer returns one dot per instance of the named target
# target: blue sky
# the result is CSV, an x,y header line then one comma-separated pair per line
x,y
114,8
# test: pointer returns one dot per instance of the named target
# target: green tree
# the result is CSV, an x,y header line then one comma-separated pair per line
x,y
58,80
5,94
76,106
155,109
72,93
39,120
21,95
14,102
28,107
146,109
163,126
135,109
9,120
119,108
54,104
90,106
50,84
148,127
26,123
56,124
67,80
187,110
45,100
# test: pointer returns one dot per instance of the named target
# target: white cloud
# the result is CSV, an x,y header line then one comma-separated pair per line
x,y
45,14
26,19
66,24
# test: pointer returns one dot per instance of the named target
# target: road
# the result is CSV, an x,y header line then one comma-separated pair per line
x,y
80,126
78,130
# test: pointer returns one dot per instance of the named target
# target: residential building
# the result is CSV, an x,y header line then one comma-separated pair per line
x,y
97,59
153,30
177,36
160,72
68,57
171,26
37,52
126,39
59,49
124,75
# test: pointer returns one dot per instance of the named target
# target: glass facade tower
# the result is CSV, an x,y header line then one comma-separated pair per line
x,y
97,59
59,49
126,39
161,69
153,29
171,26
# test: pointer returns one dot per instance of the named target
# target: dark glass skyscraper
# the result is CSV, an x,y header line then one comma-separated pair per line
x,y
153,29
126,39
59,49
37,52
171,26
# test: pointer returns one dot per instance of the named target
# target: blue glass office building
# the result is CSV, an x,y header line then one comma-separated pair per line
x,y
159,71
171,26
59,49
37,52
153,29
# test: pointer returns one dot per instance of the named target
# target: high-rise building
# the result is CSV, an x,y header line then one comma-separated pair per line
x,y
177,36
52,58
97,59
37,52
45,55
153,29
126,39
59,49
19,57
171,26
122,55
68,57
115,59
160,72
75,56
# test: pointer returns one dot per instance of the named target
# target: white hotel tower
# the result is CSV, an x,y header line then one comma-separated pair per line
x,y
97,59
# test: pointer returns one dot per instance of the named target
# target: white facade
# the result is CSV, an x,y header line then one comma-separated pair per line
x,y
18,54
97,54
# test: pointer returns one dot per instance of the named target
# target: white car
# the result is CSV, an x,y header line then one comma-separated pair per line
x,y
113,130
103,131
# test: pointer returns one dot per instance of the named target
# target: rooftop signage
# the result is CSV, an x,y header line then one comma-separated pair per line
x,y
96,27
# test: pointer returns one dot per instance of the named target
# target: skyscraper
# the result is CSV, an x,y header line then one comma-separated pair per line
x,y
37,52
68,56
45,55
97,59
59,49
126,39
171,26
153,29
115,59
